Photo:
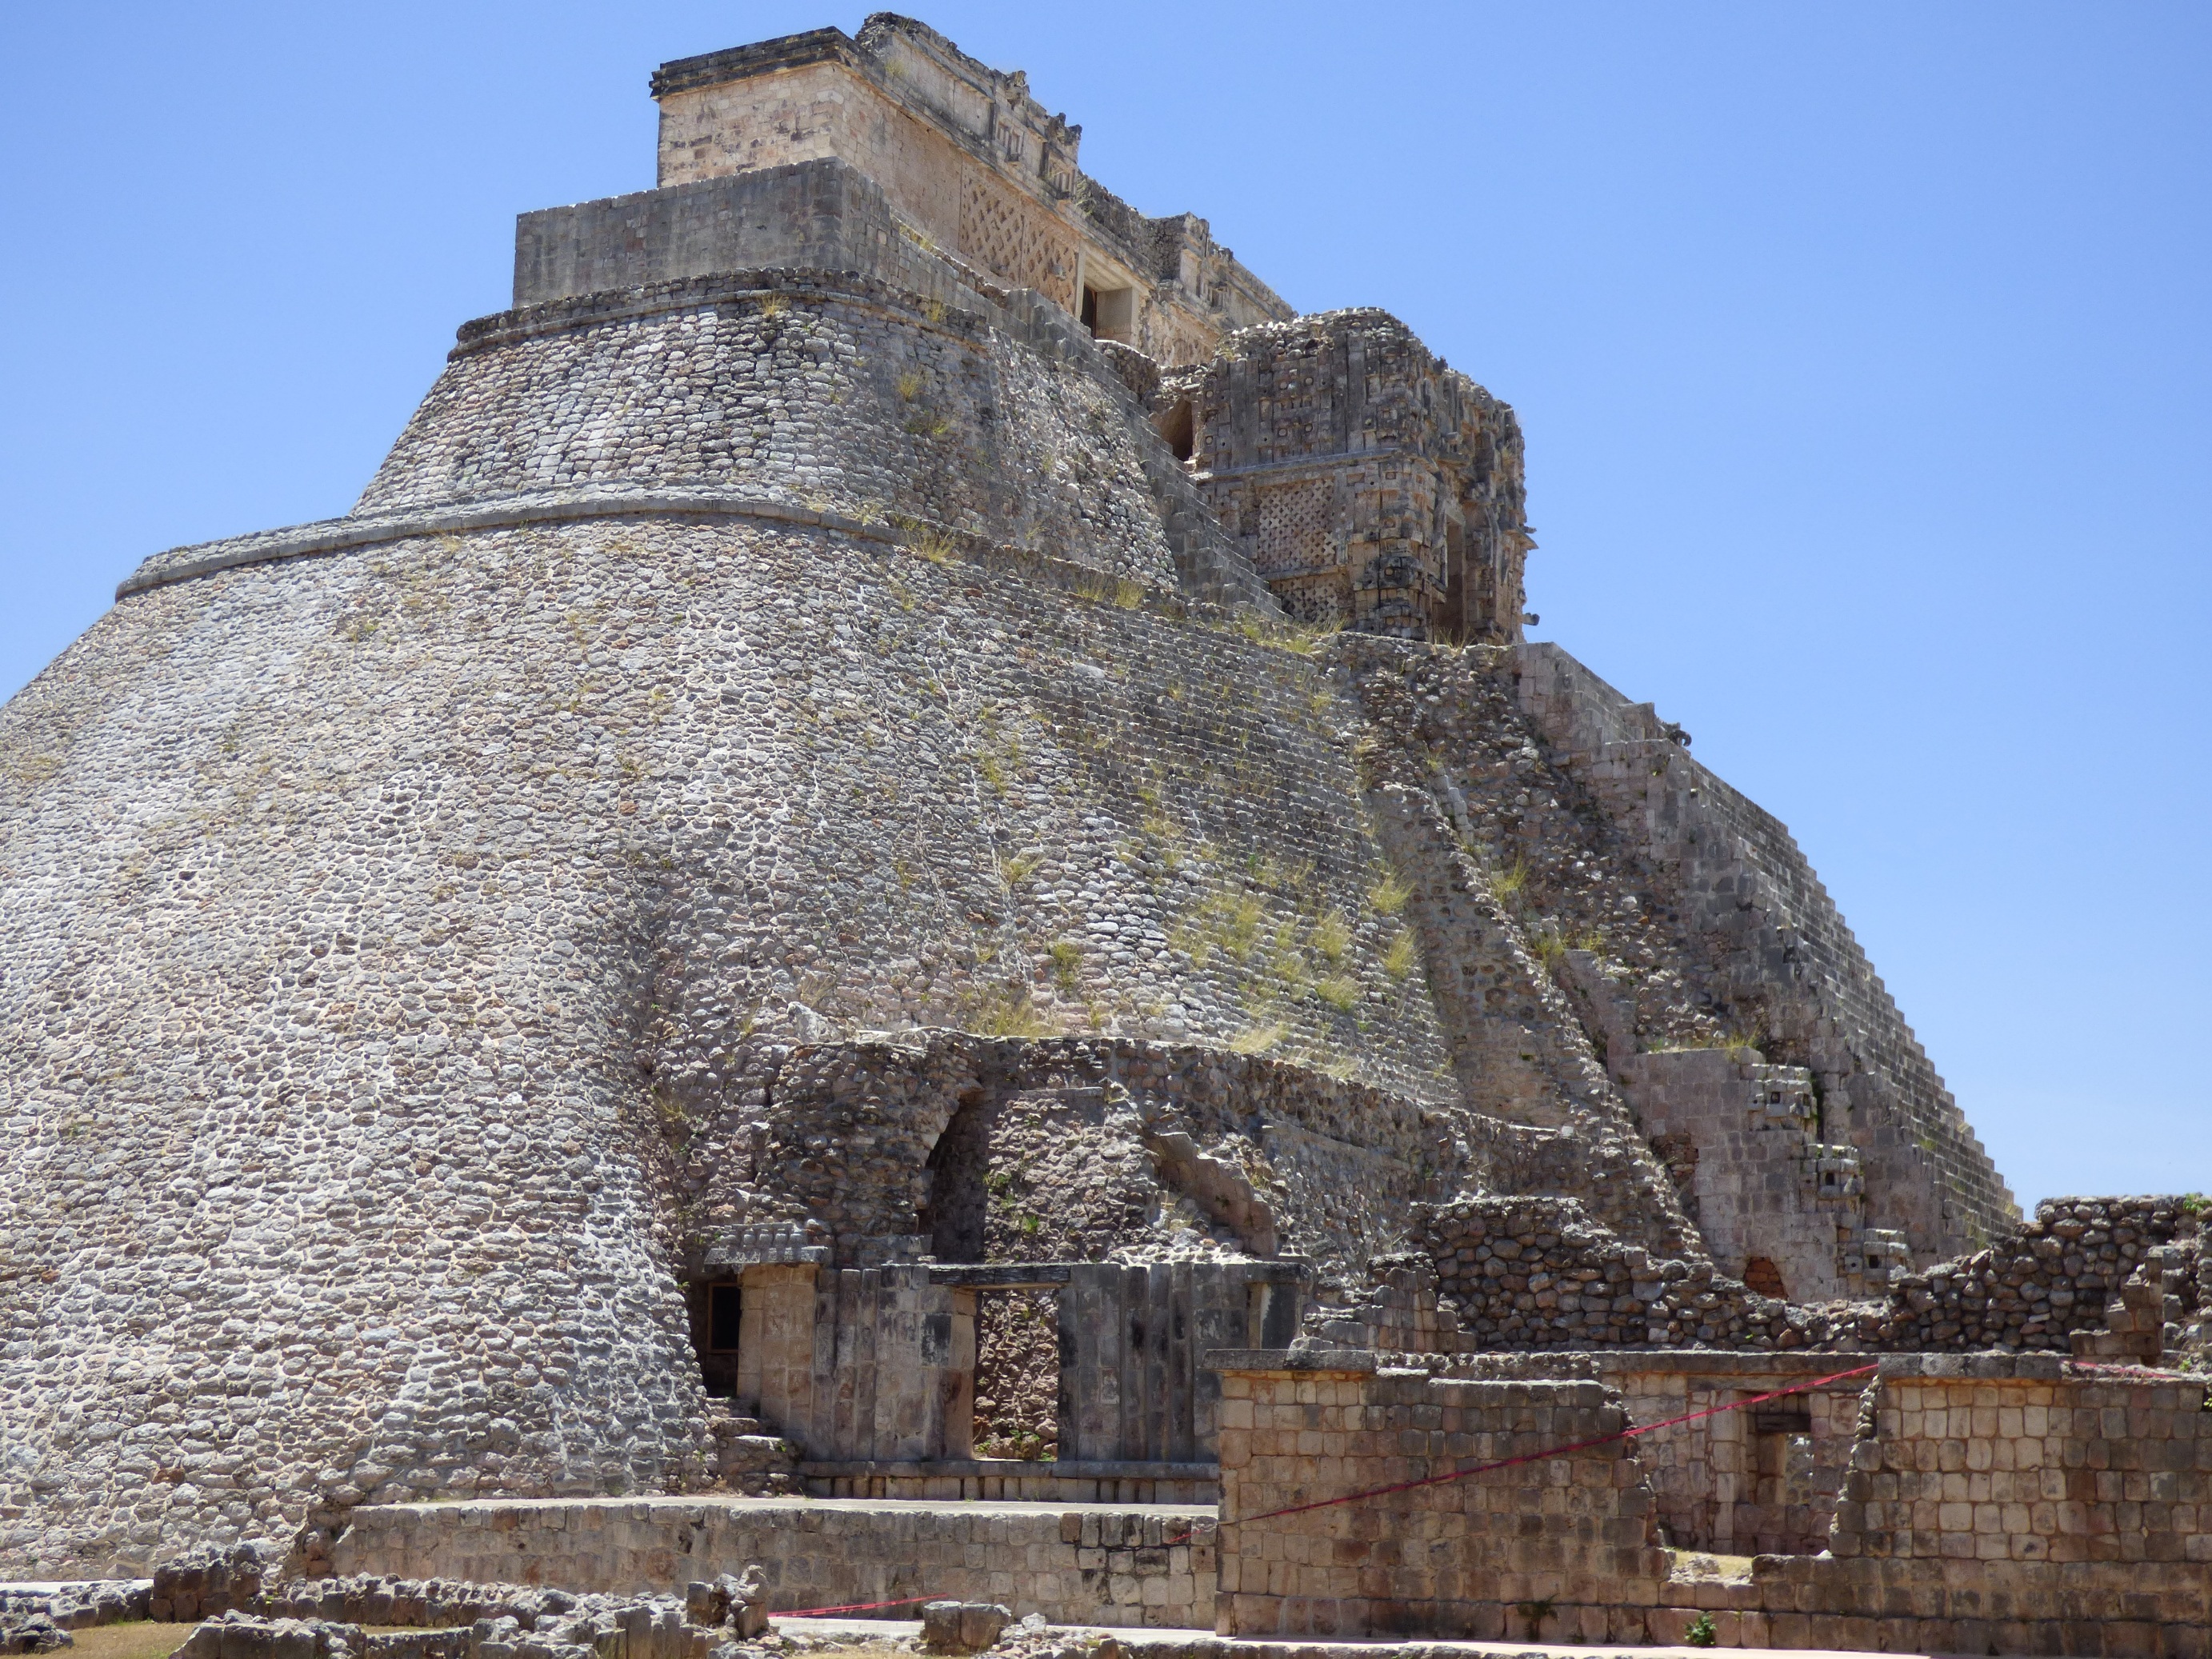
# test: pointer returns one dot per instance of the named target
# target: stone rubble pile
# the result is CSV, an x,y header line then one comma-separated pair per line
x,y
726,1618
1529,1272
2052,1277
31,1631
955,1627
2111,1278
75,1606
325,1618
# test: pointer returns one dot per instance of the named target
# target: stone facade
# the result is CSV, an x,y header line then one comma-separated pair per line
x,y
971,164
1371,486
2002,1504
811,855
1443,1559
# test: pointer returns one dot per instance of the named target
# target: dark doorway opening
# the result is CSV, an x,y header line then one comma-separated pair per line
x,y
717,1320
1110,313
1173,424
959,1203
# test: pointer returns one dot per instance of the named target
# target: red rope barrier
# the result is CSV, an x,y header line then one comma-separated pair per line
x,y
851,1607
1539,1457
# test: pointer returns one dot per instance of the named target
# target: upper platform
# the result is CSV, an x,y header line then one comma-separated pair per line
x,y
970,171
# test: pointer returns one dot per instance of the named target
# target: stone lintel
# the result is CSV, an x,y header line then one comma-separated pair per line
x,y
714,69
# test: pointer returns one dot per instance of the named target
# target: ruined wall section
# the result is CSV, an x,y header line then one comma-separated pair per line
x,y
1994,1503
1542,1273
1648,977
2108,1278
1432,719
1793,980
1086,1147
1368,483
2046,1283
1779,1206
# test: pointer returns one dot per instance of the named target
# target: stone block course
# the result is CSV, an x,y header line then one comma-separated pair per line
x,y
1073,1564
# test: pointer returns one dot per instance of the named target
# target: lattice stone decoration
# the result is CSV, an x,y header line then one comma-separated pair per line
x,y
1300,529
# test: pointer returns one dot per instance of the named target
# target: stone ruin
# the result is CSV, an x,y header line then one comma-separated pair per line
x,y
909,850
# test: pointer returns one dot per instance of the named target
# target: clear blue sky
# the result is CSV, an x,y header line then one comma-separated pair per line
x,y
1862,352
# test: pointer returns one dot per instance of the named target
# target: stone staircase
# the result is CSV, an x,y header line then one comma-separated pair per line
x,y
749,1459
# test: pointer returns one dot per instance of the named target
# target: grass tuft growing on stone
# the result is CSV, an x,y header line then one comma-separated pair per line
x,y
1388,895
1258,1039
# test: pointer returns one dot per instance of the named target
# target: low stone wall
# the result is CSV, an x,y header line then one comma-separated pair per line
x,y
1450,1559
2034,1461
1995,1504
79,1606
1535,1273
1073,1564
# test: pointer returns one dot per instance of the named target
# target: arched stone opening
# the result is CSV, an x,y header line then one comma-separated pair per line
x,y
953,1215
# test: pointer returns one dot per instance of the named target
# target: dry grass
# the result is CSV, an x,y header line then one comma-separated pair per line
x,y
139,1639
1258,1039
1388,895
144,1639
1398,960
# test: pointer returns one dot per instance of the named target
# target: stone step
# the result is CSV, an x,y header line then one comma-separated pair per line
x,y
753,1454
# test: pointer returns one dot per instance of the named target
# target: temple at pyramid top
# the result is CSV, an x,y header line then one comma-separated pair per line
x,y
813,149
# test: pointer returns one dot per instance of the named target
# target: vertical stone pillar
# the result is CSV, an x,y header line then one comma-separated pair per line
x,y
775,1347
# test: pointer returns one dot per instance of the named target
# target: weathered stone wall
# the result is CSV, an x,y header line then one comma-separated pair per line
x,y
1075,1565
457,872
1531,1272
969,161
1537,1273
1654,977
2042,1283
1446,1559
813,215
2014,1504
1371,486
2034,1463
860,1368
1081,1156
1777,1205
823,392
1792,980
1759,1481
